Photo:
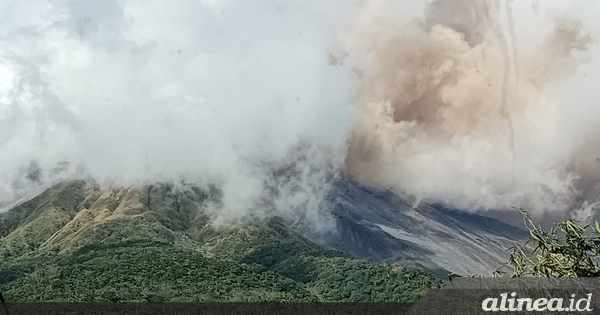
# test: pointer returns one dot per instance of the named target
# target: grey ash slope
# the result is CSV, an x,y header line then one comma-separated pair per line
x,y
384,227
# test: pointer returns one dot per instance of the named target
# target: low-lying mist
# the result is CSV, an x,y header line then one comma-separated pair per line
x,y
474,104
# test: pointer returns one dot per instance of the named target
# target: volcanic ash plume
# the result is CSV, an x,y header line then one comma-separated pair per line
x,y
256,97
455,110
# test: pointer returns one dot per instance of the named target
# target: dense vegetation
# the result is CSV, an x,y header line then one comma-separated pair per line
x,y
73,243
567,250
169,274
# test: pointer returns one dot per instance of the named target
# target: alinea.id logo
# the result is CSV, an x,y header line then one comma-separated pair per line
x,y
515,304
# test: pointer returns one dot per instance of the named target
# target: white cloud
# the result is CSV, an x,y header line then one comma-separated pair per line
x,y
208,90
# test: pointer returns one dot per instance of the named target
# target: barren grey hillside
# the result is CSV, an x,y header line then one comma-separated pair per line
x,y
384,227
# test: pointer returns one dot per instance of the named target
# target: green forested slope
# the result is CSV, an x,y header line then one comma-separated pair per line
x,y
76,242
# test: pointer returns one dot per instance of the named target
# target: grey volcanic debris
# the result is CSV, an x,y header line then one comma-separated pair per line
x,y
382,226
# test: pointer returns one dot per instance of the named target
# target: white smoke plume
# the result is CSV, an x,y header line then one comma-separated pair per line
x,y
476,104
139,91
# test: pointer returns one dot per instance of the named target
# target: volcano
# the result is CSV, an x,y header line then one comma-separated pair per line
x,y
79,242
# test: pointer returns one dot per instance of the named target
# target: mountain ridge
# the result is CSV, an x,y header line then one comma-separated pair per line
x,y
77,242
370,223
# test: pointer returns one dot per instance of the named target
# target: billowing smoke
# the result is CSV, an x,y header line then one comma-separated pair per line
x,y
128,92
456,110
468,103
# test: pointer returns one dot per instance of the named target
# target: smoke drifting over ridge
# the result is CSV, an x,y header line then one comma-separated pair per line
x,y
447,105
